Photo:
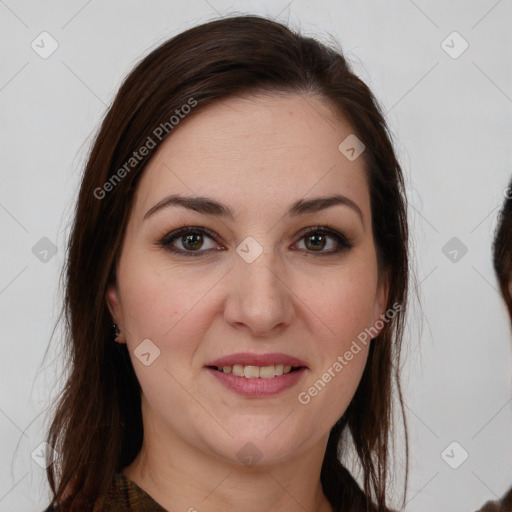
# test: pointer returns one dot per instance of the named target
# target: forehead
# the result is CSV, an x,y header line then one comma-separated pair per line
x,y
262,148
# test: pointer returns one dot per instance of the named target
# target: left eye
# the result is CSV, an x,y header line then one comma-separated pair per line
x,y
192,239
316,239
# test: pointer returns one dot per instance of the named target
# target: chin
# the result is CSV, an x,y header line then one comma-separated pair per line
x,y
258,448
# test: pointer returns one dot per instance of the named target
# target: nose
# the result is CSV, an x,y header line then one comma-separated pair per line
x,y
259,299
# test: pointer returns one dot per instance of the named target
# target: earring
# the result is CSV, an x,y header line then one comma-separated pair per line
x,y
116,332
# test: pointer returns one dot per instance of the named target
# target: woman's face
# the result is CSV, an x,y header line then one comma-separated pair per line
x,y
247,288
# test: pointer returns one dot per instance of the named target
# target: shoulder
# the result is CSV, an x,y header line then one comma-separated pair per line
x,y
122,495
503,505
124,492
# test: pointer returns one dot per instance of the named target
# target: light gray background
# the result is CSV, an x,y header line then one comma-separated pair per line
x,y
452,120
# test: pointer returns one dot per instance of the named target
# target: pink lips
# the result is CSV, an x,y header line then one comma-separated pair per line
x,y
257,387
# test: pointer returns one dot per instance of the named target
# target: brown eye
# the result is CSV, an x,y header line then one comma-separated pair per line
x,y
192,241
315,242
189,241
317,239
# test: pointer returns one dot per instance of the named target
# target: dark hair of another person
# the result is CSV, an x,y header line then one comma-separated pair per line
x,y
97,425
502,249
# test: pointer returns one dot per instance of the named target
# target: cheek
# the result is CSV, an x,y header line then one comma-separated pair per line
x,y
159,301
344,303
169,309
344,306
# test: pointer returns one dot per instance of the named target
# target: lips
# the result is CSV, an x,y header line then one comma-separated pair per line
x,y
257,375
260,360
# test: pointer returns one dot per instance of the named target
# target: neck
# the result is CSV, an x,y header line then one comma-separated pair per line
x,y
179,476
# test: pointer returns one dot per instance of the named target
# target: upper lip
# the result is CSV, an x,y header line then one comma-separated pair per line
x,y
248,359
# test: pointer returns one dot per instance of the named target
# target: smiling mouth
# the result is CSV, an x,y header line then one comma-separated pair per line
x,y
257,372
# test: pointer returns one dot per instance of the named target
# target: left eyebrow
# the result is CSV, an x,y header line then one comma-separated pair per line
x,y
209,206
304,206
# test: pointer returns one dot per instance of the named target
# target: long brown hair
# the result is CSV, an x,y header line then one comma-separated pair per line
x,y
502,249
97,425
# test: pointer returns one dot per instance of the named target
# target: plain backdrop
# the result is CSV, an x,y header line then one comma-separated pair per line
x,y
443,74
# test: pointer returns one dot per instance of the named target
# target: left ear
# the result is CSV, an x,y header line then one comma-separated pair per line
x,y
380,302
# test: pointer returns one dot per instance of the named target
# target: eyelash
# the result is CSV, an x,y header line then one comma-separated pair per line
x,y
166,241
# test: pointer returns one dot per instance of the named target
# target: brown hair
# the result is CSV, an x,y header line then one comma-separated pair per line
x,y
502,249
97,426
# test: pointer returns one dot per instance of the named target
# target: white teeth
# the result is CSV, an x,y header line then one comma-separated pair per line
x,y
267,372
251,372
238,370
255,372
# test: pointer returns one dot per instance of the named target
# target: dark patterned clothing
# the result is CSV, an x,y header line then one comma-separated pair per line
x,y
122,496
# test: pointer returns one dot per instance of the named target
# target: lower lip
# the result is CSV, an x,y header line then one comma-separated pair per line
x,y
258,387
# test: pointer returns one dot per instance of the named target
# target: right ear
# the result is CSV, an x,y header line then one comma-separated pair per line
x,y
114,307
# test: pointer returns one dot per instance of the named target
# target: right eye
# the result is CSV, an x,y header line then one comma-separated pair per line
x,y
190,238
